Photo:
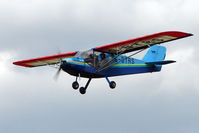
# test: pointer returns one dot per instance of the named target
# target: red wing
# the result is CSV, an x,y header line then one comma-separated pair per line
x,y
142,42
47,60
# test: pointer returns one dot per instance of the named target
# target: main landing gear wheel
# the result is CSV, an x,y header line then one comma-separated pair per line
x,y
112,84
75,85
82,90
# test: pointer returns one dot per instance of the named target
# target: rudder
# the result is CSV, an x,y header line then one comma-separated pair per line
x,y
155,53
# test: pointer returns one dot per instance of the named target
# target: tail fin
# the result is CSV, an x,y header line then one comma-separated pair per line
x,y
155,53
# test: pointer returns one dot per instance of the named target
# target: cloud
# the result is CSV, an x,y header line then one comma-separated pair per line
x,y
30,101
3,58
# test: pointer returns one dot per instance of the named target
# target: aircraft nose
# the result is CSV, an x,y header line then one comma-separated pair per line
x,y
63,63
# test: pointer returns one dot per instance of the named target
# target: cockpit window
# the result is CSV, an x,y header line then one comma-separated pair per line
x,y
95,59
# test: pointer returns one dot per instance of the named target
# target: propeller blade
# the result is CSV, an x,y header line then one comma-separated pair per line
x,y
57,73
60,67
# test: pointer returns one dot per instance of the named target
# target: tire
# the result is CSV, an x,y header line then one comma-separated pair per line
x,y
112,84
75,85
82,90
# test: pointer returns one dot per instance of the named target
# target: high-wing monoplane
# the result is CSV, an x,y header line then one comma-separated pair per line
x,y
111,60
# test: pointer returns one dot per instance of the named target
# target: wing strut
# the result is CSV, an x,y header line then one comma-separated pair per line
x,y
106,67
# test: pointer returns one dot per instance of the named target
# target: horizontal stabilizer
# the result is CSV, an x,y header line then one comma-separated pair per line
x,y
161,62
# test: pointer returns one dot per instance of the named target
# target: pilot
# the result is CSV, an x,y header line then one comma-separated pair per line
x,y
89,59
95,60
103,60
91,56
103,56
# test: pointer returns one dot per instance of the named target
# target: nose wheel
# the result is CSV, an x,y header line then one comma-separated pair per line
x,y
75,85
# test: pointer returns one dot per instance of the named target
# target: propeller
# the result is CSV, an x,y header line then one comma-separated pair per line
x,y
60,66
59,69
57,73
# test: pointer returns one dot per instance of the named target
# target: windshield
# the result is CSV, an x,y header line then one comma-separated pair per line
x,y
83,54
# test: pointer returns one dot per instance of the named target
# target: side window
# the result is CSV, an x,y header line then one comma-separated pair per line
x,y
115,60
133,61
122,59
129,61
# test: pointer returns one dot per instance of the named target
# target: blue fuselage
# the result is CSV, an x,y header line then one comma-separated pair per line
x,y
78,67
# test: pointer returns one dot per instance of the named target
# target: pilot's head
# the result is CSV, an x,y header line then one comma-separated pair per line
x,y
95,56
91,56
102,55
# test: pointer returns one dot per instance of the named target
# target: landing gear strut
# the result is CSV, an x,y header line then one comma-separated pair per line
x,y
75,84
82,90
112,84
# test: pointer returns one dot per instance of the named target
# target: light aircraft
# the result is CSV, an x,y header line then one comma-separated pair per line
x,y
109,60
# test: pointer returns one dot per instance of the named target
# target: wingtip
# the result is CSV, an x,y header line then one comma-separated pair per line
x,y
15,63
21,64
178,33
187,34
190,34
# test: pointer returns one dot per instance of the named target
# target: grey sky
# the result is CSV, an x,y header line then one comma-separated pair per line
x,y
31,101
